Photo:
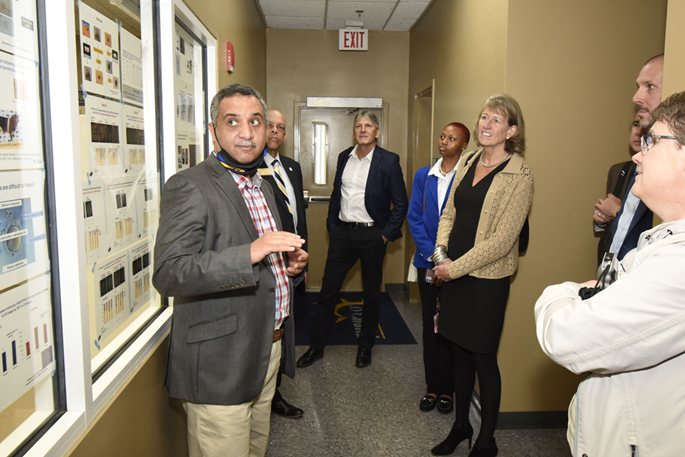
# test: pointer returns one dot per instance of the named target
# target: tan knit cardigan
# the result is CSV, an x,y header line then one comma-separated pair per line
x,y
495,252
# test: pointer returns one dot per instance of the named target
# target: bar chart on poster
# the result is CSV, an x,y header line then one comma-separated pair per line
x,y
26,340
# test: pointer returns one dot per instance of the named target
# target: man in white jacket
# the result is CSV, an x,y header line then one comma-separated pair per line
x,y
631,335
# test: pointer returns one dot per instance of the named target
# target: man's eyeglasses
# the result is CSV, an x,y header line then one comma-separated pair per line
x,y
647,141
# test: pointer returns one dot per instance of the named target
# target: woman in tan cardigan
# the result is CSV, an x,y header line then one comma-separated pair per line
x,y
477,252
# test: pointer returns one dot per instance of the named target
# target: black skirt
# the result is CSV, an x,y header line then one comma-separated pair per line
x,y
472,309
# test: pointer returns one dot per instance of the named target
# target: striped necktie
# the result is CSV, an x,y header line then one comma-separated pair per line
x,y
281,183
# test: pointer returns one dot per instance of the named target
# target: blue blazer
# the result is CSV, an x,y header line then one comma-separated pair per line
x,y
423,225
384,185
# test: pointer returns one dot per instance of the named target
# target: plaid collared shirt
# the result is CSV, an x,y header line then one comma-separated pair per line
x,y
264,222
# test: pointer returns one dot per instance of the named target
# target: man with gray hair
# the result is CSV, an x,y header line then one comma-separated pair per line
x,y
221,254
361,221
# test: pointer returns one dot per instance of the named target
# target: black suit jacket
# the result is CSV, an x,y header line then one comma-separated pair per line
x,y
294,173
384,185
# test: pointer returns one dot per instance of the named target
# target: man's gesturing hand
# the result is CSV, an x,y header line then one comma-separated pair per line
x,y
274,242
296,262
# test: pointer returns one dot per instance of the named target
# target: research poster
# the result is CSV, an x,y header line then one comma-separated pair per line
x,y
21,140
134,140
147,204
111,289
99,53
120,211
95,221
131,68
23,245
26,340
189,115
104,133
18,28
140,258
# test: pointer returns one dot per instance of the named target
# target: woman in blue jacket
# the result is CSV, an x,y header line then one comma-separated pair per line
x,y
429,192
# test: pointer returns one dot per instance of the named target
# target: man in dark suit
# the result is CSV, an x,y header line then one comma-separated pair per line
x,y
221,255
361,221
634,217
618,179
285,177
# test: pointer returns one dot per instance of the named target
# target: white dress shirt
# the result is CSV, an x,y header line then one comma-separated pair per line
x,y
353,189
443,180
288,185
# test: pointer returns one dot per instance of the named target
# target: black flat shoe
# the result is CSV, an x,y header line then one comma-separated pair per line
x,y
445,404
309,357
363,358
458,434
284,409
428,402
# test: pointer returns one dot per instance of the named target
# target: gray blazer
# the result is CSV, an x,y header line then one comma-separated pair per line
x,y
223,321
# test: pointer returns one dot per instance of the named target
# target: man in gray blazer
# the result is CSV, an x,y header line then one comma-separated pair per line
x,y
221,254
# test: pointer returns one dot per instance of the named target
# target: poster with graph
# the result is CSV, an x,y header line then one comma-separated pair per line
x,y
21,139
104,151
112,298
26,341
23,245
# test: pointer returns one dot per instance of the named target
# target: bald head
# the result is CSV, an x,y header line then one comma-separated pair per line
x,y
649,85
275,131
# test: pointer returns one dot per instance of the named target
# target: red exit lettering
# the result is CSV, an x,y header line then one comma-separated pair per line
x,y
354,39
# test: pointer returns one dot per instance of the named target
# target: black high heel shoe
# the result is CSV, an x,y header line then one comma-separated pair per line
x,y
484,448
458,434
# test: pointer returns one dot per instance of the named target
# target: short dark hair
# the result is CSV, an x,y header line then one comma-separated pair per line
x,y
506,105
672,112
464,130
231,91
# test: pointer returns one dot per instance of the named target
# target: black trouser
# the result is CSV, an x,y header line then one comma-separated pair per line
x,y
437,351
347,245
300,290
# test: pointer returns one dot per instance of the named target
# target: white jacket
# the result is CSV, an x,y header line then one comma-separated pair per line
x,y
631,337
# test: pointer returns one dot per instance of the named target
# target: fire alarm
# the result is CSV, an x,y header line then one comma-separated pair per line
x,y
230,57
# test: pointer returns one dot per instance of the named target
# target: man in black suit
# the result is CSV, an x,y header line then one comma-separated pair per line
x,y
361,221
634,217
285,177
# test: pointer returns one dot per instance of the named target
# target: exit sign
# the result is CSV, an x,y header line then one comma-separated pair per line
x,y
353,40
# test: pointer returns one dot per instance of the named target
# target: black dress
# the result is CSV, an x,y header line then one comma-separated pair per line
x,y
472,309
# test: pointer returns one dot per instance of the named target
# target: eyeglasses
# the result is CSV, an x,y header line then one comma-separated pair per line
x,y
647,141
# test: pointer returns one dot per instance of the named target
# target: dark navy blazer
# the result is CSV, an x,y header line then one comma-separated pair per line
x,y
384,185
423,225
642,220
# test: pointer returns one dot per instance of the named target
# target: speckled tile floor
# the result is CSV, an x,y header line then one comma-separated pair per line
x,y
374,411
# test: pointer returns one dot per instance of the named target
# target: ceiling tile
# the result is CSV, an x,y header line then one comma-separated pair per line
x,y
406,10
294,8
372,10
281,22
399,25
365,1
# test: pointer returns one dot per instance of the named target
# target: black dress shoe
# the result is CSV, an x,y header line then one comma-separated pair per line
x,y
363,358
428,402
309,357
445,404
284,409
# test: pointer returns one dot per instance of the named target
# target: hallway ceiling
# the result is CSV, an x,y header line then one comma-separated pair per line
x,y
387,15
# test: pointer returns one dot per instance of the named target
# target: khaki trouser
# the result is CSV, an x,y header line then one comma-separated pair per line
x,y
234,430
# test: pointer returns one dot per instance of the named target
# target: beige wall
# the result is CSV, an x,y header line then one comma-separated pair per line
x,y
239,22
674,58
141,420
302,63
572,67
